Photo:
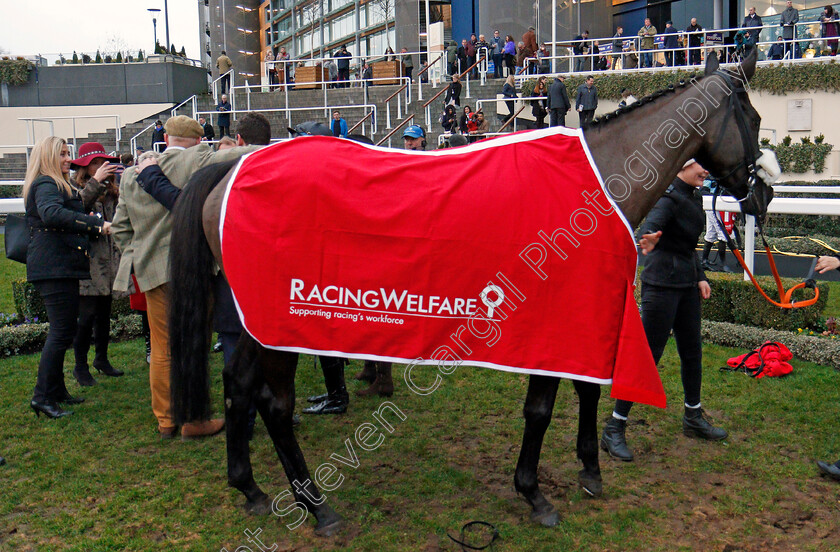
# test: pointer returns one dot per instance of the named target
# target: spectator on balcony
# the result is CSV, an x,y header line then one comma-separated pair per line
x,y
580,47
830,28
586,101
482,47
209,133
284,70
695,39
530,41
224,65
647,34
510,55
754,34
545,59
271,72
497,46
408,63
631,58
558,101
342,57
470,51
389,54
599,62
453,93
670,44
224,108
618,48
777,50
788,21
367,74
462,56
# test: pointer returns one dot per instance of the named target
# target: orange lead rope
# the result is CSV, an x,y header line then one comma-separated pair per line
x,y
785,297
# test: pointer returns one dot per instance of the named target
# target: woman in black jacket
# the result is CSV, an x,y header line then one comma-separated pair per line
x,y
672,284
453,93
56,260
449,119
509,91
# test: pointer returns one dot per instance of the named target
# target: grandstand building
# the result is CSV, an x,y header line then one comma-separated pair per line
x,y
247,29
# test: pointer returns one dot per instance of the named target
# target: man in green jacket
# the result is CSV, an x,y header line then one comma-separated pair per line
x,y
647,33
142,229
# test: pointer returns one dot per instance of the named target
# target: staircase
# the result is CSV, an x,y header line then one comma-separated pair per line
x,y
13,165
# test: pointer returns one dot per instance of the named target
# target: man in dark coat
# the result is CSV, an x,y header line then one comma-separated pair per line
x,y
586,101
580,47
342,57
157,136
209,133
224,108
788,21
750,21
670,42
695,38
558,102
462,56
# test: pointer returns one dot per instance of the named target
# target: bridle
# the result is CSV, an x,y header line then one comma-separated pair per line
x,y
750,149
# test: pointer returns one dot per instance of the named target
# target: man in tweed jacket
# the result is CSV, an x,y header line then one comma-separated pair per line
x,y
141,230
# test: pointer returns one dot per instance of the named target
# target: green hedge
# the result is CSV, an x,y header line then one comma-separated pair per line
x,y
775,79
30,306
28,338
802,157
14,71
735,301
818,350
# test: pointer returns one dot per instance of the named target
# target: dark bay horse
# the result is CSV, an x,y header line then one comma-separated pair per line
x,y
638,150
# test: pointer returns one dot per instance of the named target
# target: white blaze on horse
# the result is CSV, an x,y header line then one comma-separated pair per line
x,y
278,219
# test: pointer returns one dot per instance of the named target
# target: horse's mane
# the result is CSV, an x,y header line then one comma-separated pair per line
x,y
607,117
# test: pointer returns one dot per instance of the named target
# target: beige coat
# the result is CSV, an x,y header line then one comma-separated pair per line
x,y
142,226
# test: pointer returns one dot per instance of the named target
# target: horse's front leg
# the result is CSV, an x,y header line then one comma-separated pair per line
x,y
539,404
241,379
587,440
276,404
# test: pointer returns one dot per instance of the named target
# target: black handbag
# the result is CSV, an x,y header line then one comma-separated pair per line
x,y
17,238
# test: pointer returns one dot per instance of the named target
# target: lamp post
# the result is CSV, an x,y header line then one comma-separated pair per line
x,y
166,22
154,12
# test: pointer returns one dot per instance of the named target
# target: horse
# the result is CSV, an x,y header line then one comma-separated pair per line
x,y
638,150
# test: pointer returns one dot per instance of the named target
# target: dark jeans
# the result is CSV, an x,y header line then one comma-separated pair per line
x,y
61,298
585,116
224,131
224,84
647,58
95,320
664,309
497,66
344,75
694,55
558,117
474,70
669,59
408,71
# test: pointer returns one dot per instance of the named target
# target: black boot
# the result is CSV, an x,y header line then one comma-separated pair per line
x,y
696,424
51,409
107,369
337,398
831,470
704,259
614,442
82,375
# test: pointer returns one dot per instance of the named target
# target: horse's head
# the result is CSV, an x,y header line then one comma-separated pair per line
x,y
730,149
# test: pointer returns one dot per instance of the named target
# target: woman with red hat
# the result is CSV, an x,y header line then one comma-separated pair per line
x,y
95,179
56,260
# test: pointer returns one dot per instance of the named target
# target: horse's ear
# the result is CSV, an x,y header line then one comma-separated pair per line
x,y
748,65
712,63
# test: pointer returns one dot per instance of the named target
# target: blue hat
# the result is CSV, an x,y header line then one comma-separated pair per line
x,y
414,131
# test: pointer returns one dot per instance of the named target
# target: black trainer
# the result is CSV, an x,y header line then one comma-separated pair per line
x,y
614,442
831,470
696,424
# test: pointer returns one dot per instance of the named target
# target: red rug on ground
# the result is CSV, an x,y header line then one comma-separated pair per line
x,y
506,254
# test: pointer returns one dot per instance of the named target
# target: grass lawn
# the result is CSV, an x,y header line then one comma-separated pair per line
x,y
102,480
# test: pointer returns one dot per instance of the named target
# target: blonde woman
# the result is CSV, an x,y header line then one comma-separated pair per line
x,y
57,259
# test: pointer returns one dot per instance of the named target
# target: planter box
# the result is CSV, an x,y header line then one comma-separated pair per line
x,y
304,75
386,69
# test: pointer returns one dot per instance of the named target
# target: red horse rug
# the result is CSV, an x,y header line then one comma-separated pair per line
x,y
506,254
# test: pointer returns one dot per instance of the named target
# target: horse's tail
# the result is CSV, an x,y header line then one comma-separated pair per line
x,y
191,264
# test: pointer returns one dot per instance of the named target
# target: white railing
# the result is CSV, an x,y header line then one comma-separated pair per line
x,y
12,205
287,110
133,141
192,100
30,125
214,85
780,205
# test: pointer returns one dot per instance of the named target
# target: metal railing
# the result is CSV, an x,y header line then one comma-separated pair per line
x,y
192,100
423,71
214,85
133,141
426,106
388,136
287,110
30,125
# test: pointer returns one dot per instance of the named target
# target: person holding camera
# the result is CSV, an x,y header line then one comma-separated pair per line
x,y
96,181
56,260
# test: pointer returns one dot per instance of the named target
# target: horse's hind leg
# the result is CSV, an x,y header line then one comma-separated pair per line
x,y
587,440
276,403
539,403
241,379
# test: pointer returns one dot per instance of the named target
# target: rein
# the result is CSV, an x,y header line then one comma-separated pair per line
x,y
785,297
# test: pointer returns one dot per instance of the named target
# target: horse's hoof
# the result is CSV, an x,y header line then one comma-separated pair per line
x,y
546,518
329,527
590,483
259,507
